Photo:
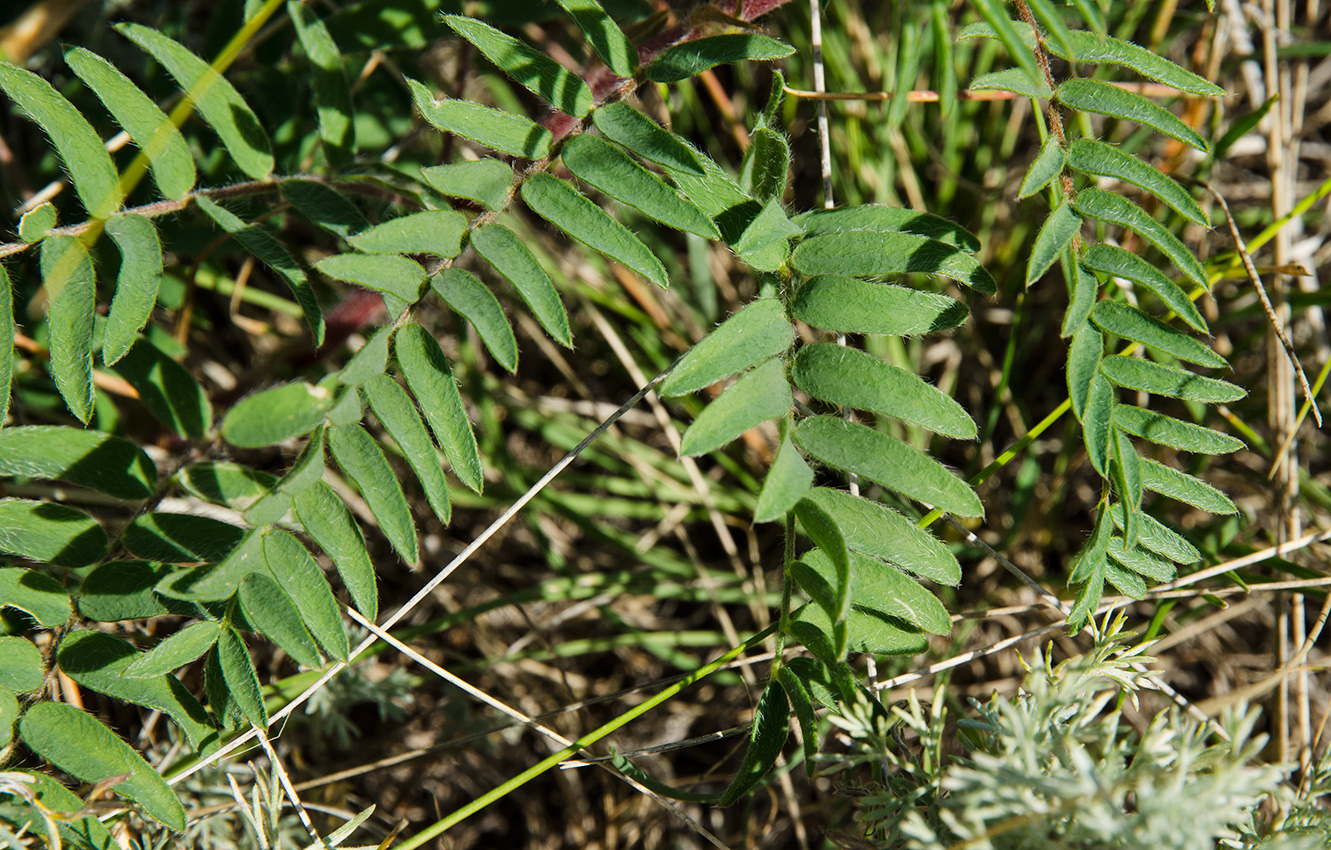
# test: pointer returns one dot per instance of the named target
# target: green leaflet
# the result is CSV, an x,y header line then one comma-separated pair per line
x,y
885,219
331,526
786,483
1141,561
717,194
876,456
180,538
473,301
1085,287
387,273
179,649
1089,567
71,289
1107,99
878,531
802,706
494,128
136,285
766,165
1093,157
1048,164
693,57
850,305
643,137
149,128
50,533
332,94
34,592
1014,80
216,99
561,205
1126,473
501,248
437,232
1159,539
270,252
348,409
21,667
269,609
34,224
1182,487
1127,582
759,395
866,631
431,382
1084,355
7,348
835,578
1115,261
90,168
860,253
240,678
364,463
765,243
122,590
230,484
369,360
884,589
758,331
93,459
167,390
855,378
397,412
1147,376
1091,47
324,206
530,68
606,38
1131,323
276,414
1168,431
77,743
1097,423
485,181
99,661
9,712
771,725
1116,209
1054,237
604,166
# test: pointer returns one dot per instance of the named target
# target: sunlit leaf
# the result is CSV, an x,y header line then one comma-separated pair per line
x,y
766,165
37,593
274,415
688,58
604,166
397,412
1168,481
473,301
1055,235
93,459
387,273
437,232
503,250
607,39
1141,561
242,681
1168,431
887,219
328,82
877,530
1136,374
330,524
1097,96
1097,422
1047,165
1116,209
505,132
485,181
1084,355
364,463
529,67
179,649
1085,287
881,587
1159,539
860,253
759,395
51,533
21,666
1014,80
1098,158
1115,261
269,609
850,305
1130,323
643,137
432,383
71,291
787,481
755,333
167,390
136,284
1126,473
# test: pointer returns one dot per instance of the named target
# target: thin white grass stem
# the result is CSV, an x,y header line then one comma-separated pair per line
x,y
287,787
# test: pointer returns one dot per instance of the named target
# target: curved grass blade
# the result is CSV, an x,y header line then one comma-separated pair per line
x,y
1182,487
759,395
861,253
494,128
1106,206
1168,431
437,232
330,524
431,382
758,331
850,305
1105,99
136,285
1054,237
502,248
1115,261
71,291
485,181
604,166
644,138
1136,374
473,301
1131,323
364,463
693,57
397,412
530,68
1097,158
328,81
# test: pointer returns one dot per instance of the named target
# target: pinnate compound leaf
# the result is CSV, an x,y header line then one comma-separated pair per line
x,y
432,383
561,205
786,483
850,305
1130,323
1054,237
1158,538
167,390
213,95
606,38
1097,423
94,176
502,249
270,252
6,349
1182,487
1137,374
269,609
530,68
1107,99
1098,158
643,137
173,538
136,285
328,82
437,232
122,590
1048,164
759,395
1116,209
473,301
240,678
93,459
878,531
485,181
149,128
1113,260
600,164
1014,80
887,461
176,651
276,414
758,331
1139,560
330,524
397,412
885,219
387,273
502,131
78,743
860,253
21,667
855,378
50,533
771,726
1168,431
693,57
364,463
71,290
1084,356
37,593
